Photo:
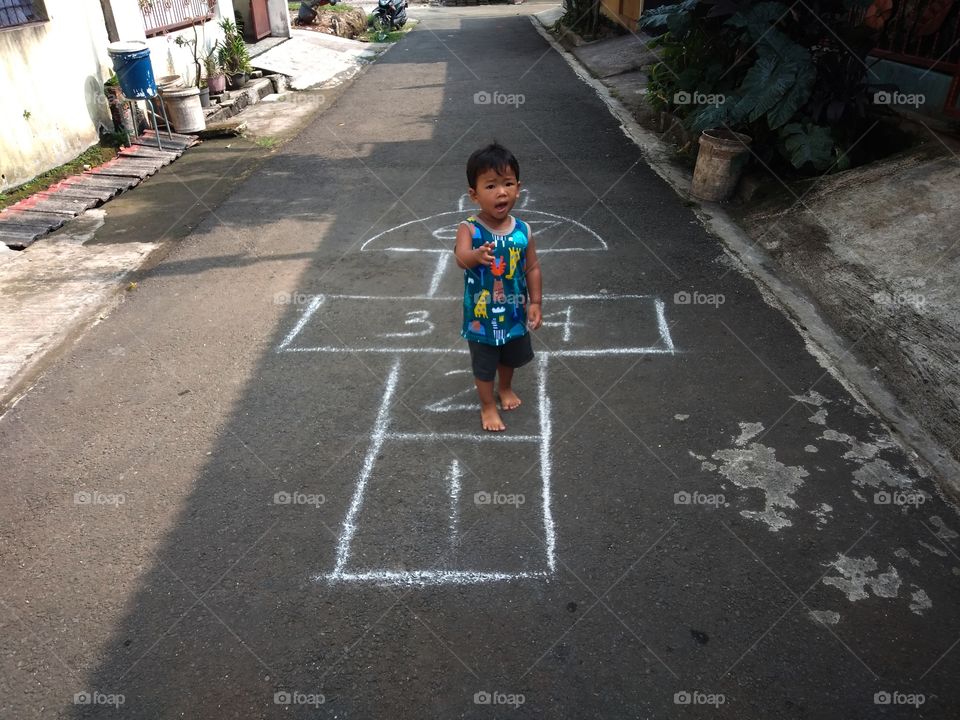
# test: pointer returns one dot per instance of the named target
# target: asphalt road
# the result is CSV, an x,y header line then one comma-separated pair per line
x,y
252,491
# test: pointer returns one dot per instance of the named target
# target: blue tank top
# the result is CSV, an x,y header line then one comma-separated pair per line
x,y
495,297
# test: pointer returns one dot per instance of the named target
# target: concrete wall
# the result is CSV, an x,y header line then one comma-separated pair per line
x,y
51,78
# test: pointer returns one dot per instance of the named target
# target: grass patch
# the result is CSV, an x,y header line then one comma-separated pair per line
x,y
267,142
338,8
371,35
97,155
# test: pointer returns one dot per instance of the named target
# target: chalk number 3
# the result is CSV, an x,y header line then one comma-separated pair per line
x,y
415,318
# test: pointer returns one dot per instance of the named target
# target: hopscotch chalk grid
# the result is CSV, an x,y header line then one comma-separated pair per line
x,y
413,329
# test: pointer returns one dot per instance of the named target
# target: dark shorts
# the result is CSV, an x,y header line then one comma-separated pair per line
x,y
485,358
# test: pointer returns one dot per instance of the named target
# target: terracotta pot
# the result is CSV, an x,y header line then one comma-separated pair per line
x,y
217,83
719,163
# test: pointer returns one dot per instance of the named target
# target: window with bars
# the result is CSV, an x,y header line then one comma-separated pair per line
x,y
21,12
163,16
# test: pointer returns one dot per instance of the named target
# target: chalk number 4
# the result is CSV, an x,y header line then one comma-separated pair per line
x,y
567,323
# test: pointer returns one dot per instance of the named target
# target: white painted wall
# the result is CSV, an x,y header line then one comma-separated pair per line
x,y
53,72
52,75
279,18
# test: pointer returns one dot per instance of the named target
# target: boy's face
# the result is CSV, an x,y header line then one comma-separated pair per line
x,y
496,192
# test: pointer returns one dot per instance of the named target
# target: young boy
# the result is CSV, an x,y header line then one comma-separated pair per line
x,y
502,287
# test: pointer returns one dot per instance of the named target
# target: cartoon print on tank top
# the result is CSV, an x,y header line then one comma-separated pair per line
x,y
494,302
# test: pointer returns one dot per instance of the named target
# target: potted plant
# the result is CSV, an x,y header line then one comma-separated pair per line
x,y
216,80
233,55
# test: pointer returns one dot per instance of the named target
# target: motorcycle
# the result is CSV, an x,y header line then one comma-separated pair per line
x,y
389,15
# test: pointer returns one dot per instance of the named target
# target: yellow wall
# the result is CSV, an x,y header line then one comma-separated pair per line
x,y
625,12
51,78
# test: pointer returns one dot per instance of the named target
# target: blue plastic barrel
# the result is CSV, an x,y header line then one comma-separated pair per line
x,y
131,63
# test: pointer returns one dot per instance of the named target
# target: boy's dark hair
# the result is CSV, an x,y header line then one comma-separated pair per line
x,y
492,157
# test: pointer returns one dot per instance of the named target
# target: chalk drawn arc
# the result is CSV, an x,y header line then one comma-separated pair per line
x,y
534,217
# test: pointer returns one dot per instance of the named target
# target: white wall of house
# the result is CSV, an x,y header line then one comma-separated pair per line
x,y
166,56
279,13
51,78
52,75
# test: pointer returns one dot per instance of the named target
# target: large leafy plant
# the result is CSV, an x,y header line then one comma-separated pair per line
x,y
795,77
232,52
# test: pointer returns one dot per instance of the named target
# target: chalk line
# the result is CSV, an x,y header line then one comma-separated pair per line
x,y
664,328
308,312
454,477
448,251
478,437
454,298
603,243
428,577
376,442
442,262
591,352
546,428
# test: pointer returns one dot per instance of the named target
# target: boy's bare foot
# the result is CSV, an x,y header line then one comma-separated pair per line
x,y
491,419
509,399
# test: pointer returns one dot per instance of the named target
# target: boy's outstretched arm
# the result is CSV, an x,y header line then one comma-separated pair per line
x,y
467,256
534,286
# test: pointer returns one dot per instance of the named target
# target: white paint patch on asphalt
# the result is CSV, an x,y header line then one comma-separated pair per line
x,y
704,463
825,617
855,578
859,451
919,601
943,532
748,431
811,448
821,514
757,467
819,417
680,418
932,548
904,554
879,472
811,398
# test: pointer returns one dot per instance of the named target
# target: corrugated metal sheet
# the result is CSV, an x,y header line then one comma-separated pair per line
x,y
16,12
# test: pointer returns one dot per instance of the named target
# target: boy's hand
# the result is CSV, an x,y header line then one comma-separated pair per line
x,y
534,316
484,254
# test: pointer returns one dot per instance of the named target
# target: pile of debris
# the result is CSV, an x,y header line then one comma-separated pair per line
x,y
348,23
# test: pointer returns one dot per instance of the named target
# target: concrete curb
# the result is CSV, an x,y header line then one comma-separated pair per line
x,y
822,341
